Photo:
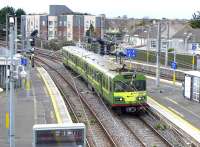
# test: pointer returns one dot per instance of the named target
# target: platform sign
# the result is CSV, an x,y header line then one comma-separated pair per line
x,y
187,87
59,135
130,53
194,46
24,61
174,65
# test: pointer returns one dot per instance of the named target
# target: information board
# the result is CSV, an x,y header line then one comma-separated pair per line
x,y
59,135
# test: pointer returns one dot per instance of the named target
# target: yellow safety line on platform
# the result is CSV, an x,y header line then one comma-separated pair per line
x,y
7,120
175,111
173,101
175,115
57,112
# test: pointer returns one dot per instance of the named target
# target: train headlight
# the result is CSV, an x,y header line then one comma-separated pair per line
x,y
117,99
140,98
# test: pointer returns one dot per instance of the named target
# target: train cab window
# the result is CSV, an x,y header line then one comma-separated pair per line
x,y
140,85
121,86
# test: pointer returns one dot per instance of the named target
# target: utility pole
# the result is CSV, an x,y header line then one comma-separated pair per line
x,y
6,30
166,51
174,71
148,44
15,38
158,55
11,99
79,28
102,32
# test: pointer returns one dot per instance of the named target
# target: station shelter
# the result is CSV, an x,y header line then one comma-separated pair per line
x,y
191,84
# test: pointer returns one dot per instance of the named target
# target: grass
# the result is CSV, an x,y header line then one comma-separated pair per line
x,y
161,126
183,61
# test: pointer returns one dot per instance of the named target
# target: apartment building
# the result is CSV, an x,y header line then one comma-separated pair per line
x,y
52,27
43,34
29,23
68,26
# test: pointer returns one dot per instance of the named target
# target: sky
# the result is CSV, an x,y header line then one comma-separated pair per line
x,y
181,9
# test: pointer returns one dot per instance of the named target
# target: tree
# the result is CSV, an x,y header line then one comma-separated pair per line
x,y
195,22
6,10
18,13
90,31
9,11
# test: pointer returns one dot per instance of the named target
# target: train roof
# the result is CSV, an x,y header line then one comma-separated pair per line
x,y
102,63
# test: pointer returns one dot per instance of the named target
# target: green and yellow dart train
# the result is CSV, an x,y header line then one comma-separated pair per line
x,y
121,89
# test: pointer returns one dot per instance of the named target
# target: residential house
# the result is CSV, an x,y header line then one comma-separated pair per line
x,y
185,38
146,36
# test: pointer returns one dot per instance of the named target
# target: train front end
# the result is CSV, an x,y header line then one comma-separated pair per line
x,y
129,92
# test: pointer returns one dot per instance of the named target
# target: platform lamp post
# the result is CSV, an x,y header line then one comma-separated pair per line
x,y
194,47
147,43
174,71
11,98
13,76
158,55
168,44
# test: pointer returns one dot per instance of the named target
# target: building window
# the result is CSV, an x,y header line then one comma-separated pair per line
x,y
69,35
60,23
65,23
65,34
68,25
50,33
50,23
60,33
164,45
43,23
153,44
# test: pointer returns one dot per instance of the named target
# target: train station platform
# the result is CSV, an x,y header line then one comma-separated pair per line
x,y
61,112
32,106
169,101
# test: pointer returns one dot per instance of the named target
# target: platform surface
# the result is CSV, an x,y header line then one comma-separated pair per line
x,y
185,113
32,106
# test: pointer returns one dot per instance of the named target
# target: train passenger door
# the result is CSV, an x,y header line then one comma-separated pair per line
x,y
101,82
86,71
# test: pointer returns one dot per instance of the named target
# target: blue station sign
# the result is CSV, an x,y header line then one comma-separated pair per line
x,y
174,65
130,53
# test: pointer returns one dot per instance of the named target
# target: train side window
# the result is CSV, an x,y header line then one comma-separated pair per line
x,y
90,71
110,85
93,75
106,82
78,62
103,81
98,77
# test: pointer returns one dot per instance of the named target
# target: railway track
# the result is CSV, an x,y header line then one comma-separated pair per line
x,y
73,98
143,131
152,139
116,130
